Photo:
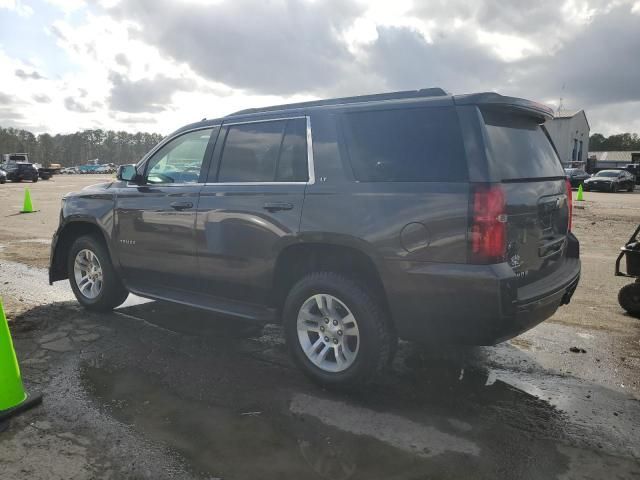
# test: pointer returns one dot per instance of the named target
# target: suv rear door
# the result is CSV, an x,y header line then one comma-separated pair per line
x,y
523,159
250,207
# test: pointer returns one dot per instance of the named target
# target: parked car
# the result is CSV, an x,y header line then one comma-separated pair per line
x,y
19,171
634,169
576,176
3,176
49,171
104,169
352,221
611,181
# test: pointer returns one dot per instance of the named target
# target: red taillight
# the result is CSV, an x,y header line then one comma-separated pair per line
x,y
489,225
570,201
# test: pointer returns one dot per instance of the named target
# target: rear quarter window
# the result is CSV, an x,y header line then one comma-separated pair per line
x,y
519,147
405,145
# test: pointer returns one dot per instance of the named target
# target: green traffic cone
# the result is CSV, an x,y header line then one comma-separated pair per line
x,y
27,206
13,398
579,197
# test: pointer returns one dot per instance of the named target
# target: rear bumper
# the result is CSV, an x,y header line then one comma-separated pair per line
x,y
473,304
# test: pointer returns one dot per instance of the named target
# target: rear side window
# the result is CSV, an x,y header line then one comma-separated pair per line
x,y
519,147
265,152
405,145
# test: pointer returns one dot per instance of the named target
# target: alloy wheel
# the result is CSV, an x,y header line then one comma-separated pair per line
x,y
88,274
328,333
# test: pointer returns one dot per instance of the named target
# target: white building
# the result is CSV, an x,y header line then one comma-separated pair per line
x,y
570,134
614,159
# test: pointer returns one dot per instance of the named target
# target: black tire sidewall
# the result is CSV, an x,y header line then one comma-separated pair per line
x,y
112,288
367,314
625,300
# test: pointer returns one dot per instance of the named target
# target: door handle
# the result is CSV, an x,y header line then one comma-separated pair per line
x,y
181,205
275,206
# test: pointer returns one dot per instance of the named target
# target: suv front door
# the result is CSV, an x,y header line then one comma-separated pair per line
x,y
251,205
154,220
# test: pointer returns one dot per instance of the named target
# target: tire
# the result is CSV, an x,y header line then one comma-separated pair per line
x,y
369,350
632,187
110,293
2,181
629,298
34,180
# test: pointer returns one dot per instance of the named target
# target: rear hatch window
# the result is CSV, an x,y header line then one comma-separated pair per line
x,y
521,146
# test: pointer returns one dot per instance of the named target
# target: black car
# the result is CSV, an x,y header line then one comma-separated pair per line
x,y
353,221
611,181
576,176
3,176
19,171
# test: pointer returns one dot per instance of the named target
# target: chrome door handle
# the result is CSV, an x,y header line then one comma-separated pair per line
x,y
275,206
181,205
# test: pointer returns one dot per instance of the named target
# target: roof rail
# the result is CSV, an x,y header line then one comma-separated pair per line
x,y
424,92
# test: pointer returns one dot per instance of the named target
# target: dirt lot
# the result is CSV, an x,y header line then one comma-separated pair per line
x,y
159,391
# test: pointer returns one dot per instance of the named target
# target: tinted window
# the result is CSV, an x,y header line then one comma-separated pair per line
x,y
520,147
292,166
608,173
180,160
407,145
265,152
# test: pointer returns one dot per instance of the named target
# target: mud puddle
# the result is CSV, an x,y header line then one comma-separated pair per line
x,y
225,398
223,441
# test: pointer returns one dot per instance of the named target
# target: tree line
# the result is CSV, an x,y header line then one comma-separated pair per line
x,y
619,142
123,147
79,147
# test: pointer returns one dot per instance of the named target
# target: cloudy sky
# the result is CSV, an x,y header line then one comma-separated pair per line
x,y
154,65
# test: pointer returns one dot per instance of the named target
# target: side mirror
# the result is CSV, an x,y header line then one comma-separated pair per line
x,y
127,173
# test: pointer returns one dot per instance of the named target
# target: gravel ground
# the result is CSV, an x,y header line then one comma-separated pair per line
x,y
155,390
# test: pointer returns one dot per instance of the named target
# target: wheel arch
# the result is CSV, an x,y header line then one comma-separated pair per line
x,y
296,260
65,238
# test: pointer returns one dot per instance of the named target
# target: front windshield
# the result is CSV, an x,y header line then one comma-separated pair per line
x,y
608,173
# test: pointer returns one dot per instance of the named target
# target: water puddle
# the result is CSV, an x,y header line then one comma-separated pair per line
x,y
279,442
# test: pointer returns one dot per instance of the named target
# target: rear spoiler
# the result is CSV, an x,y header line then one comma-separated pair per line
x,y
540,112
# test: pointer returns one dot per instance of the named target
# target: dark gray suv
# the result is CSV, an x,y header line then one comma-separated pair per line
x,y
352,221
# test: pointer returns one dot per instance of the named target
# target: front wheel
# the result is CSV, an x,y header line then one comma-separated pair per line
x,y
629,298
336,332
93,280
35,180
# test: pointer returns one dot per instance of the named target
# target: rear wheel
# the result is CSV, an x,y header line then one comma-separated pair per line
x,y
92,277
629,298
336,333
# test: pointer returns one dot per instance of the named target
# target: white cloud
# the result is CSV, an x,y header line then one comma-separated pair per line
x,y
157,64
67,6
17,6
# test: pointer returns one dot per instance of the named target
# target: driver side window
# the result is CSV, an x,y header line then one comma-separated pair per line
x,y
180,160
